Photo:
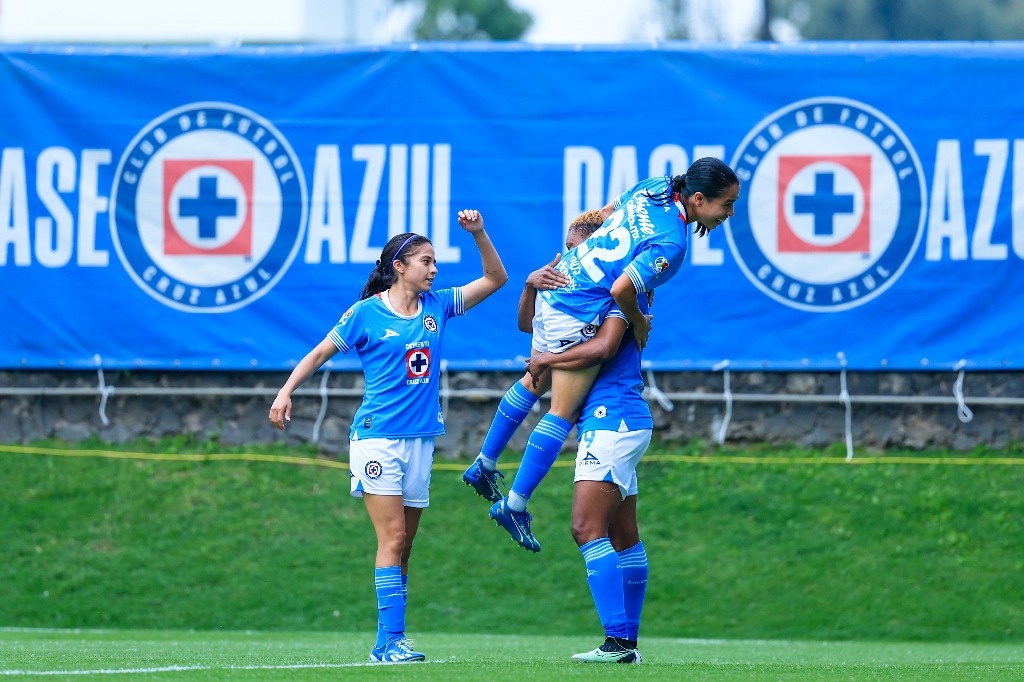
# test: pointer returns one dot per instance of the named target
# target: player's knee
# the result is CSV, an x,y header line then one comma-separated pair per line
x,y
586,530
393,543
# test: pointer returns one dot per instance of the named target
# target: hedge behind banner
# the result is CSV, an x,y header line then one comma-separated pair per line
x,y
212,208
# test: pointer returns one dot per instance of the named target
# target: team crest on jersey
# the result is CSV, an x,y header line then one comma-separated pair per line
x,y
661,264
589,332
834,204
429,323
601,412
373,469
417,363
209,207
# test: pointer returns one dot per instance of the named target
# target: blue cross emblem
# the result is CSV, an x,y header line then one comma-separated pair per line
x,y
824,204
207,207
418,362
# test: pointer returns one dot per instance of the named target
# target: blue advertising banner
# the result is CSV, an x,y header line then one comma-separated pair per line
x,y
211,208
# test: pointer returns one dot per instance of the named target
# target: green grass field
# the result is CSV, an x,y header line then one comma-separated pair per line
x,y
305,656
185,560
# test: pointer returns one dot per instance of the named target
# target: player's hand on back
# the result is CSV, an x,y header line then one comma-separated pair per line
x,y
547,277
641,332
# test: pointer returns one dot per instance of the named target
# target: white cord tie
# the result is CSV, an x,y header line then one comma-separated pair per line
x,y
962,411
323,405
105,392
844,397
445,389
727,393
657,393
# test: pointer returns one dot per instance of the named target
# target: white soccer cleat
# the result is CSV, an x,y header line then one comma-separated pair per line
x,y
398,651
610,652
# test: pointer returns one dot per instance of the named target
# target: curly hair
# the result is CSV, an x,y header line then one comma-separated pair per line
x,y
586,223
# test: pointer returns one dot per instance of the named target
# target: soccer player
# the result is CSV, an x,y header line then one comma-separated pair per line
x,y
614,430
640,246
482,475
397,328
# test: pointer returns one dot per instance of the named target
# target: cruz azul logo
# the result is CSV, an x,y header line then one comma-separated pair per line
x,y
417,363
835,204
210,207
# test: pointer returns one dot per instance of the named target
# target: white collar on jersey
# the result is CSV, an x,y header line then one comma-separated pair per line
x,y
682,210
386,297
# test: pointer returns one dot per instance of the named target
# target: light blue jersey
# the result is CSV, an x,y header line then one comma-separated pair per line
x,y
401,358
645,241
616,401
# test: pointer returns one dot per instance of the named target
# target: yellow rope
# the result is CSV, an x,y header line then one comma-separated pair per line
x,y
728,459
174,457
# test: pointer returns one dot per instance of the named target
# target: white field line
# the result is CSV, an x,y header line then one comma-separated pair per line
x,y
193,668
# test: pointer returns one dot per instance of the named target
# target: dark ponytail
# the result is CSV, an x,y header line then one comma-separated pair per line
x,y
399,247
709,176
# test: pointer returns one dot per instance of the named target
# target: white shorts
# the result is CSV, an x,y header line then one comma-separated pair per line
x,y
536,322
392,466
555,331
612,456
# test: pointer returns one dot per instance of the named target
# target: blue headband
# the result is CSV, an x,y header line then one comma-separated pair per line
x,y
391,269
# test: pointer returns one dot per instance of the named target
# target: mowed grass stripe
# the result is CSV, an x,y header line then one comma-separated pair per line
x,y
857,553
507,465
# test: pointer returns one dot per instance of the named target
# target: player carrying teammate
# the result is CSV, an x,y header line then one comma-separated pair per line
x,y
640,246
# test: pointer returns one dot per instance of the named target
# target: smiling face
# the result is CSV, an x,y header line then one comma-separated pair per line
x,y
713,212
418,269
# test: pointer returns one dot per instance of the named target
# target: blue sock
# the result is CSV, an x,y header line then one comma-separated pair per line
x,y
390,604
512,410
634,585
381,635
541,452
605,579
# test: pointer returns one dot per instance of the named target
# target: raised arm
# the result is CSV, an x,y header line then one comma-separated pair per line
x,y
494,276
281,410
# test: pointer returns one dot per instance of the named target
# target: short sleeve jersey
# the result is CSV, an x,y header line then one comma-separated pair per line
x,y
616,401
644,240
401,359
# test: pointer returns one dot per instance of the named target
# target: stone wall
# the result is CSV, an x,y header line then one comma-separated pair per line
x,y
799,408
